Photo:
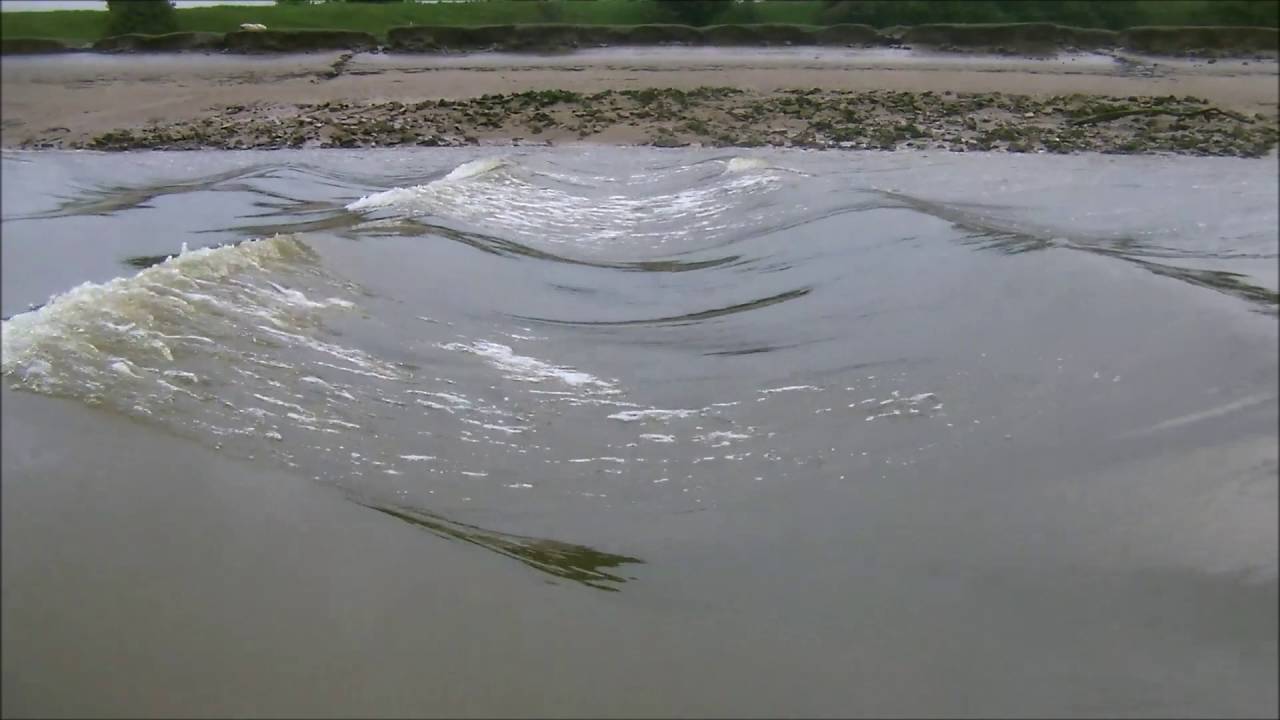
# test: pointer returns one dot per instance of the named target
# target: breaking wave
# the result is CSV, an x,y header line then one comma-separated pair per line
x,y
535,328
522,204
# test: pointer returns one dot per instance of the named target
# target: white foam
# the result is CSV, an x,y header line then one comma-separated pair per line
x,y
387,198
401,196
789,388
121,312
122,367
655,437
897,405
516,208
724,435
528,369
280,403
508,429
653,413
456,400
746,164
475,168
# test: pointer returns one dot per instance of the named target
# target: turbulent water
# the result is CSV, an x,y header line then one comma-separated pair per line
x,y
880,380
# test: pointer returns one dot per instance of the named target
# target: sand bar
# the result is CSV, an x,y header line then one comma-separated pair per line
x,y
67,100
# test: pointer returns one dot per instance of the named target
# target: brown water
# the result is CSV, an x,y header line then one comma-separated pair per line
x,y
594,431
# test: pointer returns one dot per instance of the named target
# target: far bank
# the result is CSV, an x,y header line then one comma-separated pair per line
x,y
796,97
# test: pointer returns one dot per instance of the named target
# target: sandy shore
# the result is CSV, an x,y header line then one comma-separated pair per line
x,y
238,101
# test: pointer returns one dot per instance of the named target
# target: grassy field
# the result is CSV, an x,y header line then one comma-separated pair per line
x,y
86,26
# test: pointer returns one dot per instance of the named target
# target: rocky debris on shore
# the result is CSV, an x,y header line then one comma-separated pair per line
x,y
726,117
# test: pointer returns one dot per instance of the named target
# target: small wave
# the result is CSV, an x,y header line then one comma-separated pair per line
x,y
685,319
522,205
1011,235
476,168
387,198
657,437
529,369
219,341
746,164
652,414
397,197
788,388
121,310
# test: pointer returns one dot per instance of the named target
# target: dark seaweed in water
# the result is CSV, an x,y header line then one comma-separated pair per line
x,y
565,560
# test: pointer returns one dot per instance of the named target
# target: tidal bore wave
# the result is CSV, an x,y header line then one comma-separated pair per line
x,y
656,336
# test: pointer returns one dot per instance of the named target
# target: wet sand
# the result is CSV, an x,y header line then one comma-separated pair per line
x,y
65,101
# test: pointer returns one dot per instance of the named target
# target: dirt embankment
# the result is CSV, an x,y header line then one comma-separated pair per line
x,y
1017,38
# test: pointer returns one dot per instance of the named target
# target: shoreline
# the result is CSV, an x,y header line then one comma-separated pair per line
x,y
729,117
806,98
1025,38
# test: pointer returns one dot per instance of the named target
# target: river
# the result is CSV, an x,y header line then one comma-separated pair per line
x,y
587,430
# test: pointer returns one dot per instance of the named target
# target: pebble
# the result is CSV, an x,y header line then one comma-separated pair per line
x,y
877,119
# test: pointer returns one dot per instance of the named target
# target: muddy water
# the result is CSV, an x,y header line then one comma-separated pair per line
x,y
598,431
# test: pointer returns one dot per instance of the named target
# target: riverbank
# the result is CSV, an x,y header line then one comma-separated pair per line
x,y
876,99
729,117
1038,38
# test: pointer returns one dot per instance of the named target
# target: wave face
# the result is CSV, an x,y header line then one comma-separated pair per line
x,y
674,211
591,333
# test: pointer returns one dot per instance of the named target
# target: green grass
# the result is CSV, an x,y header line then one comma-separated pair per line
x,y
87,26
82,26
1106,14
76,25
